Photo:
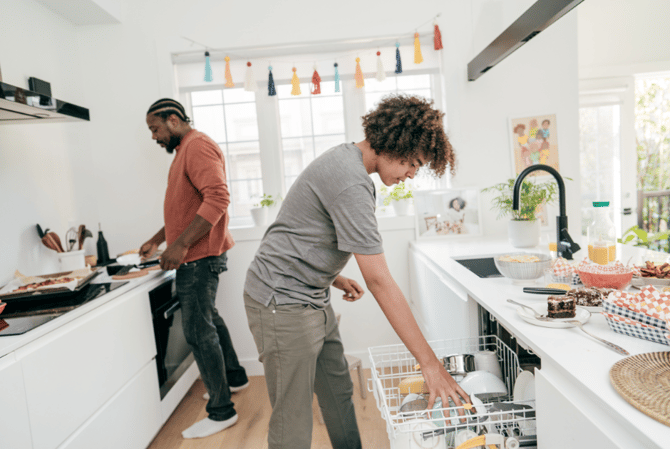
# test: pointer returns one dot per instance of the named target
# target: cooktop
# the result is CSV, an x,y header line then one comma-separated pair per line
x,y
21,317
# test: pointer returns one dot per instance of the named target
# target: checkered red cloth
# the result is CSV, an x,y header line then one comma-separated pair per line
x,y
649,301
648,310
615,267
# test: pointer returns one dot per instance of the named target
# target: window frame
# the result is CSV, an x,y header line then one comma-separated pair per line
x,y
269,125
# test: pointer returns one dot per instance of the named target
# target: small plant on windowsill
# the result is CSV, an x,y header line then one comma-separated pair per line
x,y
260,211
400,196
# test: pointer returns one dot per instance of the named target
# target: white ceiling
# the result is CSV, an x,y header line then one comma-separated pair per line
x,y
85,12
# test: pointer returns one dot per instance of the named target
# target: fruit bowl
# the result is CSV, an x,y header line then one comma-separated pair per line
x,y
523,271
605,280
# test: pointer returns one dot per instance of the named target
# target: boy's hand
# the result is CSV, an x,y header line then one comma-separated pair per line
x,y
352,291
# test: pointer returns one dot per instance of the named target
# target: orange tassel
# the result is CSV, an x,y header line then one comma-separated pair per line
x,y
438,38
295,82
359,74
229,77
316,81
418,58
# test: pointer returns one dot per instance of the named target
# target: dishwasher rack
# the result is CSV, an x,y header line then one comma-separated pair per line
x,y
429,429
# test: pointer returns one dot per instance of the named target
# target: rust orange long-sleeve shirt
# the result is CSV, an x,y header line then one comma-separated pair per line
x,y
197,185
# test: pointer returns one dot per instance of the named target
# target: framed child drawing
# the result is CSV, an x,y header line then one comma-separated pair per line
x,y
534,141
447,213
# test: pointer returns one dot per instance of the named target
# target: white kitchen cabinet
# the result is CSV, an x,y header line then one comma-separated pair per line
x,y
441,306
566,419
72,372
14,421
130,420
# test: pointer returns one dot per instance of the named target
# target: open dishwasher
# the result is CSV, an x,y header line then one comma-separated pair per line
x,y
509,424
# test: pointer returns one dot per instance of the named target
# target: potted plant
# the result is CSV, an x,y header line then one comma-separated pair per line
x,y
524,227
260,211
400,196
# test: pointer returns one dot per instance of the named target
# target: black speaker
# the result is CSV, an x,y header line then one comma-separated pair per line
x,y
39,86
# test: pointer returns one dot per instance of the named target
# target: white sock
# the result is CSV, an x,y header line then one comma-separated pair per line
x,y
207,427
232,390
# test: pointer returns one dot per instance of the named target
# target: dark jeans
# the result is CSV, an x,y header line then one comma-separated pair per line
x,y
207,334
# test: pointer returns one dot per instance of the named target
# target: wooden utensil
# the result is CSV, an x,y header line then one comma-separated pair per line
x,y
82,233
49,242
56,240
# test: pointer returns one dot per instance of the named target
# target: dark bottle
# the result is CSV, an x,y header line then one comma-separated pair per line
x,y
103,251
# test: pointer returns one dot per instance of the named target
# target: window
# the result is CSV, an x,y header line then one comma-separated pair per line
x,y
310,125
229,118
268,141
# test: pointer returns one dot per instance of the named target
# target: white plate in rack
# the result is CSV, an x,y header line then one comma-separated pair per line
x,y
524,388
581,314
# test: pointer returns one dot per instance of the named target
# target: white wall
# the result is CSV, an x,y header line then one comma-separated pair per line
x,y
43,168
623,38
110,171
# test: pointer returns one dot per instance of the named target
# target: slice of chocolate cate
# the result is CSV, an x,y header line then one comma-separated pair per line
x,y
561,307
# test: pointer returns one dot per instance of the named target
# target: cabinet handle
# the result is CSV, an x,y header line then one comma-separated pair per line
x,y
172,310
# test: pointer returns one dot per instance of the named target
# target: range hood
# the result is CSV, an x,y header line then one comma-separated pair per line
x,y
18,105
536,18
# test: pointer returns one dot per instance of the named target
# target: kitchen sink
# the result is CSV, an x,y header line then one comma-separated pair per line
x,y
484,267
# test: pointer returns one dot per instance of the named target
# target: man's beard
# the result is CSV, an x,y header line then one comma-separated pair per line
x,y
172,144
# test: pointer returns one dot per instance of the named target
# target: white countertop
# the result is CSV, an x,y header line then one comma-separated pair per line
x,y
11,343
579,358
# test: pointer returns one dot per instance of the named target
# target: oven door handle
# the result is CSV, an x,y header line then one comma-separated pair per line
x,y
172,310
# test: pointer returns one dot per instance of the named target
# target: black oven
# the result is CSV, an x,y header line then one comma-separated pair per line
x,y
173,356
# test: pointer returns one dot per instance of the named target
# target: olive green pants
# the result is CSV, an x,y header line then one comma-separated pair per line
x,y
302,354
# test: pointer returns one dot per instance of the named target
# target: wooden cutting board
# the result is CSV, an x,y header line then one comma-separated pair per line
x,y
136,274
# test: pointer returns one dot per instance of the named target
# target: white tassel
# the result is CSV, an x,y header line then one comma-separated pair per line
x,y
250,82
381,74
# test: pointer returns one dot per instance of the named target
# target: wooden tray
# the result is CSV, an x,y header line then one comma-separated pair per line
x,y
643,380
48,293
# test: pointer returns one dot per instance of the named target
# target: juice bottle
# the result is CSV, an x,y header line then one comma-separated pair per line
x,y
602,235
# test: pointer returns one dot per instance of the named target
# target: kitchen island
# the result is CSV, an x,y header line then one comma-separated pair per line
x,y
577,407
88,378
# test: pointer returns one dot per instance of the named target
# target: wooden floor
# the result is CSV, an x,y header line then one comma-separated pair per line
x,y
251,430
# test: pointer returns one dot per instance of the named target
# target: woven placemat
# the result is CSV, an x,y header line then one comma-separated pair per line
x,y
644,381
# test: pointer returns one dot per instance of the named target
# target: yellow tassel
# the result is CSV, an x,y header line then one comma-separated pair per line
x,y
295,82
359,74
418,58
229,77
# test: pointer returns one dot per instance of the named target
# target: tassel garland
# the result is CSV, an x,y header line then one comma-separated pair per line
x,y
249,81
438,38
337,78
418,57
359,74
208,68
295,82
271,84
398,62
381,75
229,77
316,81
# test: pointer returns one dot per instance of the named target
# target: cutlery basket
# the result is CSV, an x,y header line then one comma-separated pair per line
x,y
438,427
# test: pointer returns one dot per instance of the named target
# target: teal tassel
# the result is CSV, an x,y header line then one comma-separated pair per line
x,y
208,68
271,84
337,78
398,63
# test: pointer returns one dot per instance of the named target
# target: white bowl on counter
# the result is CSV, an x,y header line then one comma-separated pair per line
x,y
523,271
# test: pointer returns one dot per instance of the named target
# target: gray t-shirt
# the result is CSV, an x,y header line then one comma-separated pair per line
x,y
328,214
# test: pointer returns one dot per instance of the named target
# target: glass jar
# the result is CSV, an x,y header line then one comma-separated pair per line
x,y
602,235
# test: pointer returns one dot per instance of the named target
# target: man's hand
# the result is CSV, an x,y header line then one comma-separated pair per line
x,y
173,256
148,249
352,291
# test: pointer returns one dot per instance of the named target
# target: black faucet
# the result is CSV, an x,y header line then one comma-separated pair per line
x,y
565,246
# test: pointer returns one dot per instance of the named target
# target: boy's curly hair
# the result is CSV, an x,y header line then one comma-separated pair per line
x,y
404,126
